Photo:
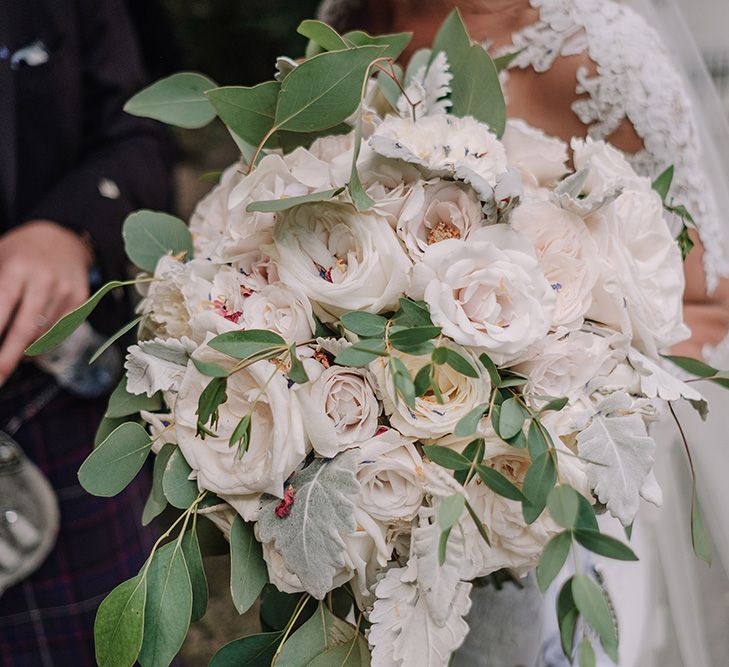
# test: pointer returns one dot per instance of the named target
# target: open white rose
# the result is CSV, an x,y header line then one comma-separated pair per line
x,y
277,443
391,477
443,145
429,418
567,254
438,211
489,293
340,410
541,159
282,309
341,259
640,290
607,167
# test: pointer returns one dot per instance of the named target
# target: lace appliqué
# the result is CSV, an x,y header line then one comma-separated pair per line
x,y
634,80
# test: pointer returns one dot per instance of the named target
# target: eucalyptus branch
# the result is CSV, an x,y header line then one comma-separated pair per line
x,y
289,626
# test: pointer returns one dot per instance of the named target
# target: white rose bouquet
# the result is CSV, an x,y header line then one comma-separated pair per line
x,y
401,346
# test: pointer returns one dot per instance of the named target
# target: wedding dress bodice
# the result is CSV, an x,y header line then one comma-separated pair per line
x,y
634,79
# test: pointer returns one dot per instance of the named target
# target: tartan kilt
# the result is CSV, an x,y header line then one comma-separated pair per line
x,y
47,620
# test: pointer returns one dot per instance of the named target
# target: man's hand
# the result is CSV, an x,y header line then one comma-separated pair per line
x,y
43,275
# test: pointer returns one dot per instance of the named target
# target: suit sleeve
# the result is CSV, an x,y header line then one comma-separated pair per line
x,y
125,161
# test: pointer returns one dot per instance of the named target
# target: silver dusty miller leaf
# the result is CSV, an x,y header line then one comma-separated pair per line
x,y
309,538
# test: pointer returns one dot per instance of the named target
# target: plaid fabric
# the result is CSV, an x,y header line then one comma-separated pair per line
x,y
47,620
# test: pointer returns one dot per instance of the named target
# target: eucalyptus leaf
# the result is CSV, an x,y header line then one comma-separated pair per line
x,y
176,100
115,337
446,458
693,366
564,505
414,314
662,184
459,364
208,406
450,510
591,603
210,369
538,482
364,324
490,366
422,380
567,616
394,43
586,654
552,559
478,523
248,572
388,87
247,111
251,650
468,425
297,372
62,329
157,502
116,461
196,570
499,484
355,653
178,488
402,381
119,625
324,90
248,344
321,33
604,545
149,235
106,427
536,440
511,418
124,404
699,535
414,336
285,203
168,608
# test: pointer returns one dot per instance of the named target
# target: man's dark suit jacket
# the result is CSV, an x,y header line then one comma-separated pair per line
x,y
68,152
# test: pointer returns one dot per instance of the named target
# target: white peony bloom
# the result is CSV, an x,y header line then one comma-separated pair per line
x,y
435,212
163,302
340,410
341,259
541,159
282,309
567,254
443,145
640,291
277,443
607,167
489,293
391,478
211,216
431,419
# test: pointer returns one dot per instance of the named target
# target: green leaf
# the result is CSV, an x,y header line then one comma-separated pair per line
x,y
345,655
247,111
662,185
490,366
321,33
477,90
196,570
414,314
389,89
178,488
460,364
402,381
423,380
210,369
452,38
567,616
443,545
478,523
604,545
278,607
555,405
685,242
106,427
512,382
241,436
536,442
208,406
149,235
248,344
124,404
699,535
111,340
553,558
394,43
119,625
156,503
469,424
364,324
176,100
564,505
421,58
285,203
511,418
116,461
586,653
169,606
69,323
361,354
450,510
499,484
693,366
474,452
538,482
324,90
502,62
248,573
322,632
251,650
591,603
447,458
414,336
297,372
439,356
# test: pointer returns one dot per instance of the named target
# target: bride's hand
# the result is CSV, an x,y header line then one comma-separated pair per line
x,y
43,275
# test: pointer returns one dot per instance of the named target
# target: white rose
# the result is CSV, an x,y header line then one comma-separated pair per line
x,y
340,410
429,418
277,443
210,218
541,159
163,302
388,182
341,259
390,474
443,145
640,291
567,254
607,167
285,310
438,211
489,293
